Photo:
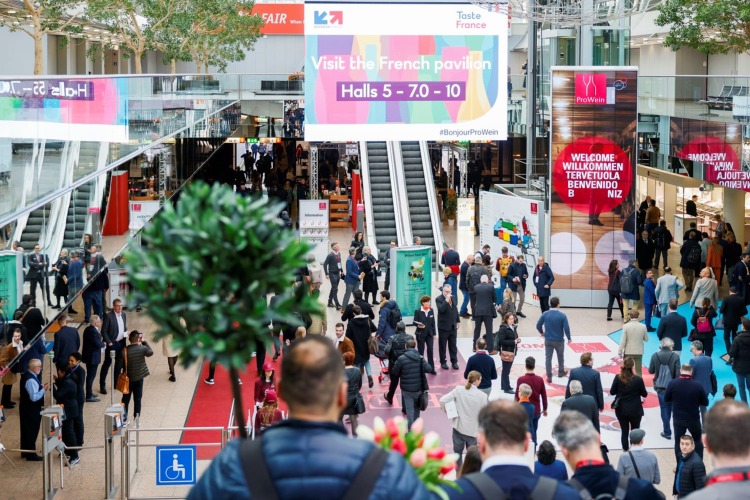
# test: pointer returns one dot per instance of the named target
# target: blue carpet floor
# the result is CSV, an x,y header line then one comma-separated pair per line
x,y
724,373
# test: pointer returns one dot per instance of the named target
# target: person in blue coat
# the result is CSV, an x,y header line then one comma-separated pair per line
x,y
636,280
649,298
351,278
385,329
543,279
310,455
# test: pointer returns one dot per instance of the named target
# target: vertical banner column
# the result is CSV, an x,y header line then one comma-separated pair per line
x,y
593,156
410,278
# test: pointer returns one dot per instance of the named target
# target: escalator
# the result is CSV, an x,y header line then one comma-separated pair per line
x,y
381,194
419,187
32,233
75,224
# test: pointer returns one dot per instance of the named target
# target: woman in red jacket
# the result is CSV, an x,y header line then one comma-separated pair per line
x,y
268,414
265,383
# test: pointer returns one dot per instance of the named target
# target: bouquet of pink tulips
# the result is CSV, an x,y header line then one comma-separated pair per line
x,y
422,451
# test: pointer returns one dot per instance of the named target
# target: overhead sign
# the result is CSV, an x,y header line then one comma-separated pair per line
x,y
79,109
390,72
592,209
175,465
281,18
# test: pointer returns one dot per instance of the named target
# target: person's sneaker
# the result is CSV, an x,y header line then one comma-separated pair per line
x,y
93,399
520,314
650,329
390,401
74,461
209,381
665,436
239,381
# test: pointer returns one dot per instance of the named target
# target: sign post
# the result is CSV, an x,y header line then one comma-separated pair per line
x,y
313,226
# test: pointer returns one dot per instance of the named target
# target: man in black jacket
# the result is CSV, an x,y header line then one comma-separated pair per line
x,y
114,332
687,396
78,374
517,275
447,326
465,265
410,370
584,403
590,379
91,354
742,277
665,357
473,279
644,251
38,266
67,340
674,326
691,473
332,268
732,309
362,303
484,311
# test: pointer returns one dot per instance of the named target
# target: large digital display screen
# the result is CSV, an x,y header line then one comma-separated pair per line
x,y
79,109
593,153
385,71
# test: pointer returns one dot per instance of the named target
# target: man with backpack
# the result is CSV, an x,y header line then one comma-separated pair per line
x,y
630,280
594,479
390,315
278,466
662,243
691,260
503,441
665,367
410,371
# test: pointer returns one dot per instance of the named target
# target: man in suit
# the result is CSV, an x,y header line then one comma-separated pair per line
x,y
38,264
332,268
447,325
732,309
114,331
674,326
581,402
484,311
92,355
424,319
503,441
590,380
67,340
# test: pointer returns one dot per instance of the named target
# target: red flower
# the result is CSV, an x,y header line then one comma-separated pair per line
x,y
436,453
445,469
399,446
392,428
236,325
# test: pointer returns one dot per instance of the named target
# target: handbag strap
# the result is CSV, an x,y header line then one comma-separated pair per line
x,y
635,467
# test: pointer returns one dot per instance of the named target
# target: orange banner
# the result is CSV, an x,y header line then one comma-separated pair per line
x,y
281,18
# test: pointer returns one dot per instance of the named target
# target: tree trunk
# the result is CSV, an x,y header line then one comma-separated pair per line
x,y
198,67
138,65
237,394
38,51
173,66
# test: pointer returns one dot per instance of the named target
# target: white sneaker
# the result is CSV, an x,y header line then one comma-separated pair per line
x,y
74,461
209,381
239,381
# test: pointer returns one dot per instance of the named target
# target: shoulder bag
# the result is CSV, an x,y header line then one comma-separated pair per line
x,y
508,356
635,467
123,381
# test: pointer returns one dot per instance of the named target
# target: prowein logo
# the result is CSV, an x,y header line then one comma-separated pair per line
x,y
325,18
591,88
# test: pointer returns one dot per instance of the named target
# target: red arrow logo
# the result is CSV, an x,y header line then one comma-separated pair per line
x,y
337,17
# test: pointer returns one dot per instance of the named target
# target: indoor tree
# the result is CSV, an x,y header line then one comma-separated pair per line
x,y
37,18
136,23
711,27
205,271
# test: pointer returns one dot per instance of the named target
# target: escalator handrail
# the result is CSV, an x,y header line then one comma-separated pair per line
x,y
364,163
400,200
437,227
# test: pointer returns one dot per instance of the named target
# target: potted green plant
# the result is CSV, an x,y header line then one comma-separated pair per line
x,y
206,271
450,206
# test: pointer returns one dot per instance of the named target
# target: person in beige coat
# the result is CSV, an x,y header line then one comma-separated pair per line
x,y
706,286
634,335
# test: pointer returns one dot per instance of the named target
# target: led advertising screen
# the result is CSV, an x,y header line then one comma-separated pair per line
x,y
593,158
390,71
78,109
717,145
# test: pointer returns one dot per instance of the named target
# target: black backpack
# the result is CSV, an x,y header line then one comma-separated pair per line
x,y
660,239
619,494
545,488
394,316
626,282
694,255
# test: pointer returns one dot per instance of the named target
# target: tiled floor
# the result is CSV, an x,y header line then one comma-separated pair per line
x,y
165,405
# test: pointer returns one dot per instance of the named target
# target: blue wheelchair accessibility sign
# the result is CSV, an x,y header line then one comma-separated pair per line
x,y
175,465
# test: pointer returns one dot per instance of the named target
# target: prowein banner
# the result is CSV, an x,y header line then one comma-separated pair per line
x,y
411,71
592,211
412,278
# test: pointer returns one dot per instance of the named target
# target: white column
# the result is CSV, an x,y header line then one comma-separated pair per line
x,y
734,212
